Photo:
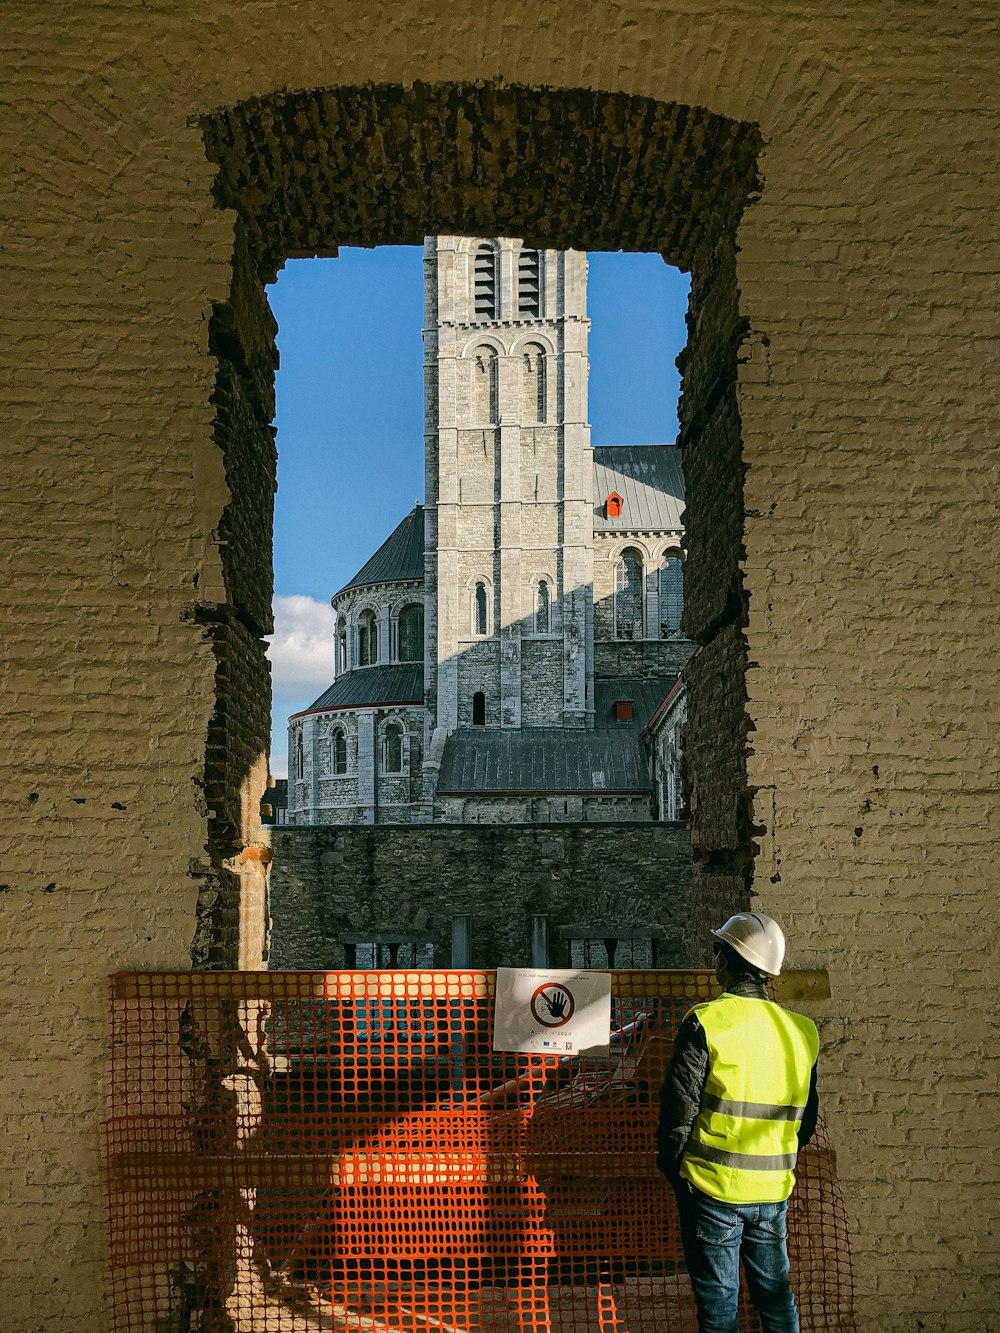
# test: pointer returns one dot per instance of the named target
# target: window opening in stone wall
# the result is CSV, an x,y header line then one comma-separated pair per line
x,y
611,946
533,384
393,748
494,473
367,639
338,752
542,608
479,709
671,597
528,284
629,596
486,369
388,951
486,283
411,634
480,609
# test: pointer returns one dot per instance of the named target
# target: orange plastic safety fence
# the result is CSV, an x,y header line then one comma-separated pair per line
x,y
344,1150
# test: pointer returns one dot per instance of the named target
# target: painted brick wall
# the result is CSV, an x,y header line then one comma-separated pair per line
x,y
870,553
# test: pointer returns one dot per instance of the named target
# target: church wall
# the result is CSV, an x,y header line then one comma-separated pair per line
x,y
476,466
864,275
540,463
479,669
327,882
540,532
639,658
541,682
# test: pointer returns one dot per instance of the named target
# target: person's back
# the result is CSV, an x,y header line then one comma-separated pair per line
x,y
738,1102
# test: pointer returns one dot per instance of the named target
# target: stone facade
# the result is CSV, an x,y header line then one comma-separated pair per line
x,y
828,174
566,884
520,583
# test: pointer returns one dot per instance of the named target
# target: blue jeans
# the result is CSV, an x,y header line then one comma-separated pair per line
x,y
716,1236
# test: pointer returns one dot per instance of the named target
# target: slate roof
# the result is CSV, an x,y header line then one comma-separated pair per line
x,y
649,479
399,559
398,683
543,760
646,696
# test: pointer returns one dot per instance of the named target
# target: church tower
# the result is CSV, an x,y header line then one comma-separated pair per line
x,y
509,487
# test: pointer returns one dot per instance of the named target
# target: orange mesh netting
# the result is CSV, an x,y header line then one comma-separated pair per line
x,y
302,1151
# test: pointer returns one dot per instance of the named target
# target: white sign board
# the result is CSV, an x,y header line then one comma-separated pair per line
x,y
551,1012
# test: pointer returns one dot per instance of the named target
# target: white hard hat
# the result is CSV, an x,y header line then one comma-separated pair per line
x,y
756,938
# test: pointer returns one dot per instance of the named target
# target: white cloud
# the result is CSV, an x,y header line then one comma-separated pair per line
x,y
301,648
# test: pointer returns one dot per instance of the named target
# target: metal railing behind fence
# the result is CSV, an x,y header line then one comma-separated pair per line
x,y
301,1151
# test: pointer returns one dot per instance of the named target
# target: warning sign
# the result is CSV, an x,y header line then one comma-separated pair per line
x,y
551,1012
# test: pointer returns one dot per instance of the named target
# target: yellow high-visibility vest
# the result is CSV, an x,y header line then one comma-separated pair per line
x,y
745,1139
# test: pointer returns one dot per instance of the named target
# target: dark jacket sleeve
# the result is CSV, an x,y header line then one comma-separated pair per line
x,y
680,1095
807,1125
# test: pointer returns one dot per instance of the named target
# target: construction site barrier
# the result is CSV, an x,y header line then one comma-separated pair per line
x,y
298,1151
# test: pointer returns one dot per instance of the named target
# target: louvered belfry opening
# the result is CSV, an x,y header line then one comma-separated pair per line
x,y
486,282
529,301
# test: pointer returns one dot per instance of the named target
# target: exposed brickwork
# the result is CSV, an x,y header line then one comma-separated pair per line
x,y
865,272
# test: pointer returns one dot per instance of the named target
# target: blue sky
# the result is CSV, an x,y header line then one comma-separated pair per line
x,y
350,421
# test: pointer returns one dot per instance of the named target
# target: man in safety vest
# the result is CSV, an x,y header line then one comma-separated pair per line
x,y
738,1102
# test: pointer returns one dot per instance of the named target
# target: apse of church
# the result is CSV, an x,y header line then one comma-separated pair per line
x,y
500,657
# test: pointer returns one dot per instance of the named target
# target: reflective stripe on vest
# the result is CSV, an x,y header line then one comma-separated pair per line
x,y
745,1140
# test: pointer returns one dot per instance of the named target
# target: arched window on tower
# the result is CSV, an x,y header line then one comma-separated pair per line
x,y
628,596
533,383
411,633
529,288
338,752
392,742
479,610
542,608
479,709
671,595
367,639
485,301
300,757
485,372
342,643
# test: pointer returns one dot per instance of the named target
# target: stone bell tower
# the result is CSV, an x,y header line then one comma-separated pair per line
x,y
509,504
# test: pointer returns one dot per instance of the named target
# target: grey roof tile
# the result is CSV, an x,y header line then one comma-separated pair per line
x,y
650,480
646,696
368,687
542,760
399,559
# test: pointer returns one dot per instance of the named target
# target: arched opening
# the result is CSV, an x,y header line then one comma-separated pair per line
x,y
393,748
629,584
411,633
338,752
671,594
367,639
479,709
486,385
533,383
390,164
543,609
480,610
487,285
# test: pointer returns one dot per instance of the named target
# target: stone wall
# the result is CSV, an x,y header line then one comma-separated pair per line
x,y
330,881
837,166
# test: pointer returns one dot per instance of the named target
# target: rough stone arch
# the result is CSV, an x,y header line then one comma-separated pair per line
x,y
305,172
